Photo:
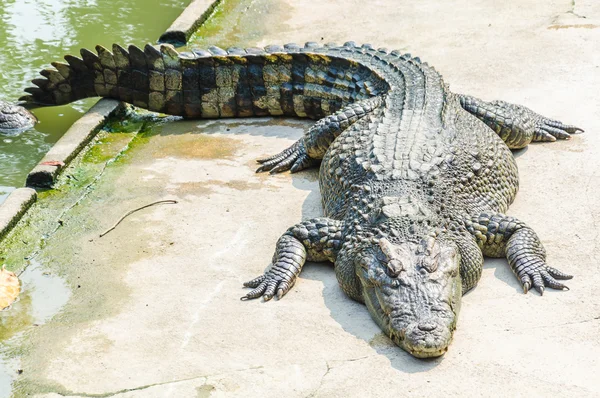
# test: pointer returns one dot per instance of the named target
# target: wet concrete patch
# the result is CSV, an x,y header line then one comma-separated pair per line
x,y
47,292
194,146
43,295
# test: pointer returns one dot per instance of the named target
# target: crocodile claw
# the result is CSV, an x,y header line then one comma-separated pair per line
x,y
268,286
526,286
550,130
541,276
293,158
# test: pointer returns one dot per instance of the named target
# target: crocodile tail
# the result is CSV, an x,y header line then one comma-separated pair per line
x,y
307,81
122,74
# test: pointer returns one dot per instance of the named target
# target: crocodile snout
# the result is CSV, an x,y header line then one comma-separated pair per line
x,y
427,326
427,338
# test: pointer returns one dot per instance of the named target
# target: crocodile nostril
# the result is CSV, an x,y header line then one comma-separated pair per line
x,y
427,327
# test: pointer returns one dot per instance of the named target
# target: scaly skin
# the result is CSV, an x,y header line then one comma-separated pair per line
x,y
15,119
414,178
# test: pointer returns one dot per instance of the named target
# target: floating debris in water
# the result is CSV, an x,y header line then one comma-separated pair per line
x,y
57,163
9,288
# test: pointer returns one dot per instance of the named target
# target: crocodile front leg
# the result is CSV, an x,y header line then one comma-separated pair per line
x,y
319,239
517,125
311,148
499,235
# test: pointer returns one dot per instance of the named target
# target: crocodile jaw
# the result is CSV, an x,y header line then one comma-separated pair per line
x,y
418,310
422,331
425,343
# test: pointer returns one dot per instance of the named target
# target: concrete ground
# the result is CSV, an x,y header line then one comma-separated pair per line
x,y
155,312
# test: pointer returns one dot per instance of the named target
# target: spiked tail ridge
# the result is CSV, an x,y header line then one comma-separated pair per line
x,y
121,74
309,81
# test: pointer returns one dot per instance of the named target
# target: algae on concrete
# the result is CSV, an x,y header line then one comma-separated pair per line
x,y
233,23
30,248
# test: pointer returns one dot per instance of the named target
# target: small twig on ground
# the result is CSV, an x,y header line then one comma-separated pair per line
x,y
133,211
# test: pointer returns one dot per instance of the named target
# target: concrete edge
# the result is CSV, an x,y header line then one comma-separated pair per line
x,y
13,208
188,22
71,143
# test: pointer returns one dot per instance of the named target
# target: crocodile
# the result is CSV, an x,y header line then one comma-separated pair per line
x,y
15,119
415,179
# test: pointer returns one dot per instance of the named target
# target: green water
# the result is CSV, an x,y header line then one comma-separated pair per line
x,y
35,32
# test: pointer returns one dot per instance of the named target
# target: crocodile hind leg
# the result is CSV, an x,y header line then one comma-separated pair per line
x,y
311,148
517,125
318,239
499,235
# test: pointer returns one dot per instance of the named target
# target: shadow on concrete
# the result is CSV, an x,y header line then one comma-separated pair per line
x,y
502,272
517,153
354,318
283,127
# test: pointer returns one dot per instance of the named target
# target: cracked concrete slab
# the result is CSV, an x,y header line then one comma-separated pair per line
x,y
155,309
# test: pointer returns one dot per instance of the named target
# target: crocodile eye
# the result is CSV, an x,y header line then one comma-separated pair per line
x,y
393,268
381,257
364,263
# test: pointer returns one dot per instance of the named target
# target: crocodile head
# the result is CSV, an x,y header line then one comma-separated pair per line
x,y
413,292
15,119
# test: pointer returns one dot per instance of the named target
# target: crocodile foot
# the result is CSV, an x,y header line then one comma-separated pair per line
x,y
540,276
269,285
549,130
517,125
288,260
527,259
293,158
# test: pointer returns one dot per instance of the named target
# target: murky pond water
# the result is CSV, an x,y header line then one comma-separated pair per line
x,y
35,32
42,296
